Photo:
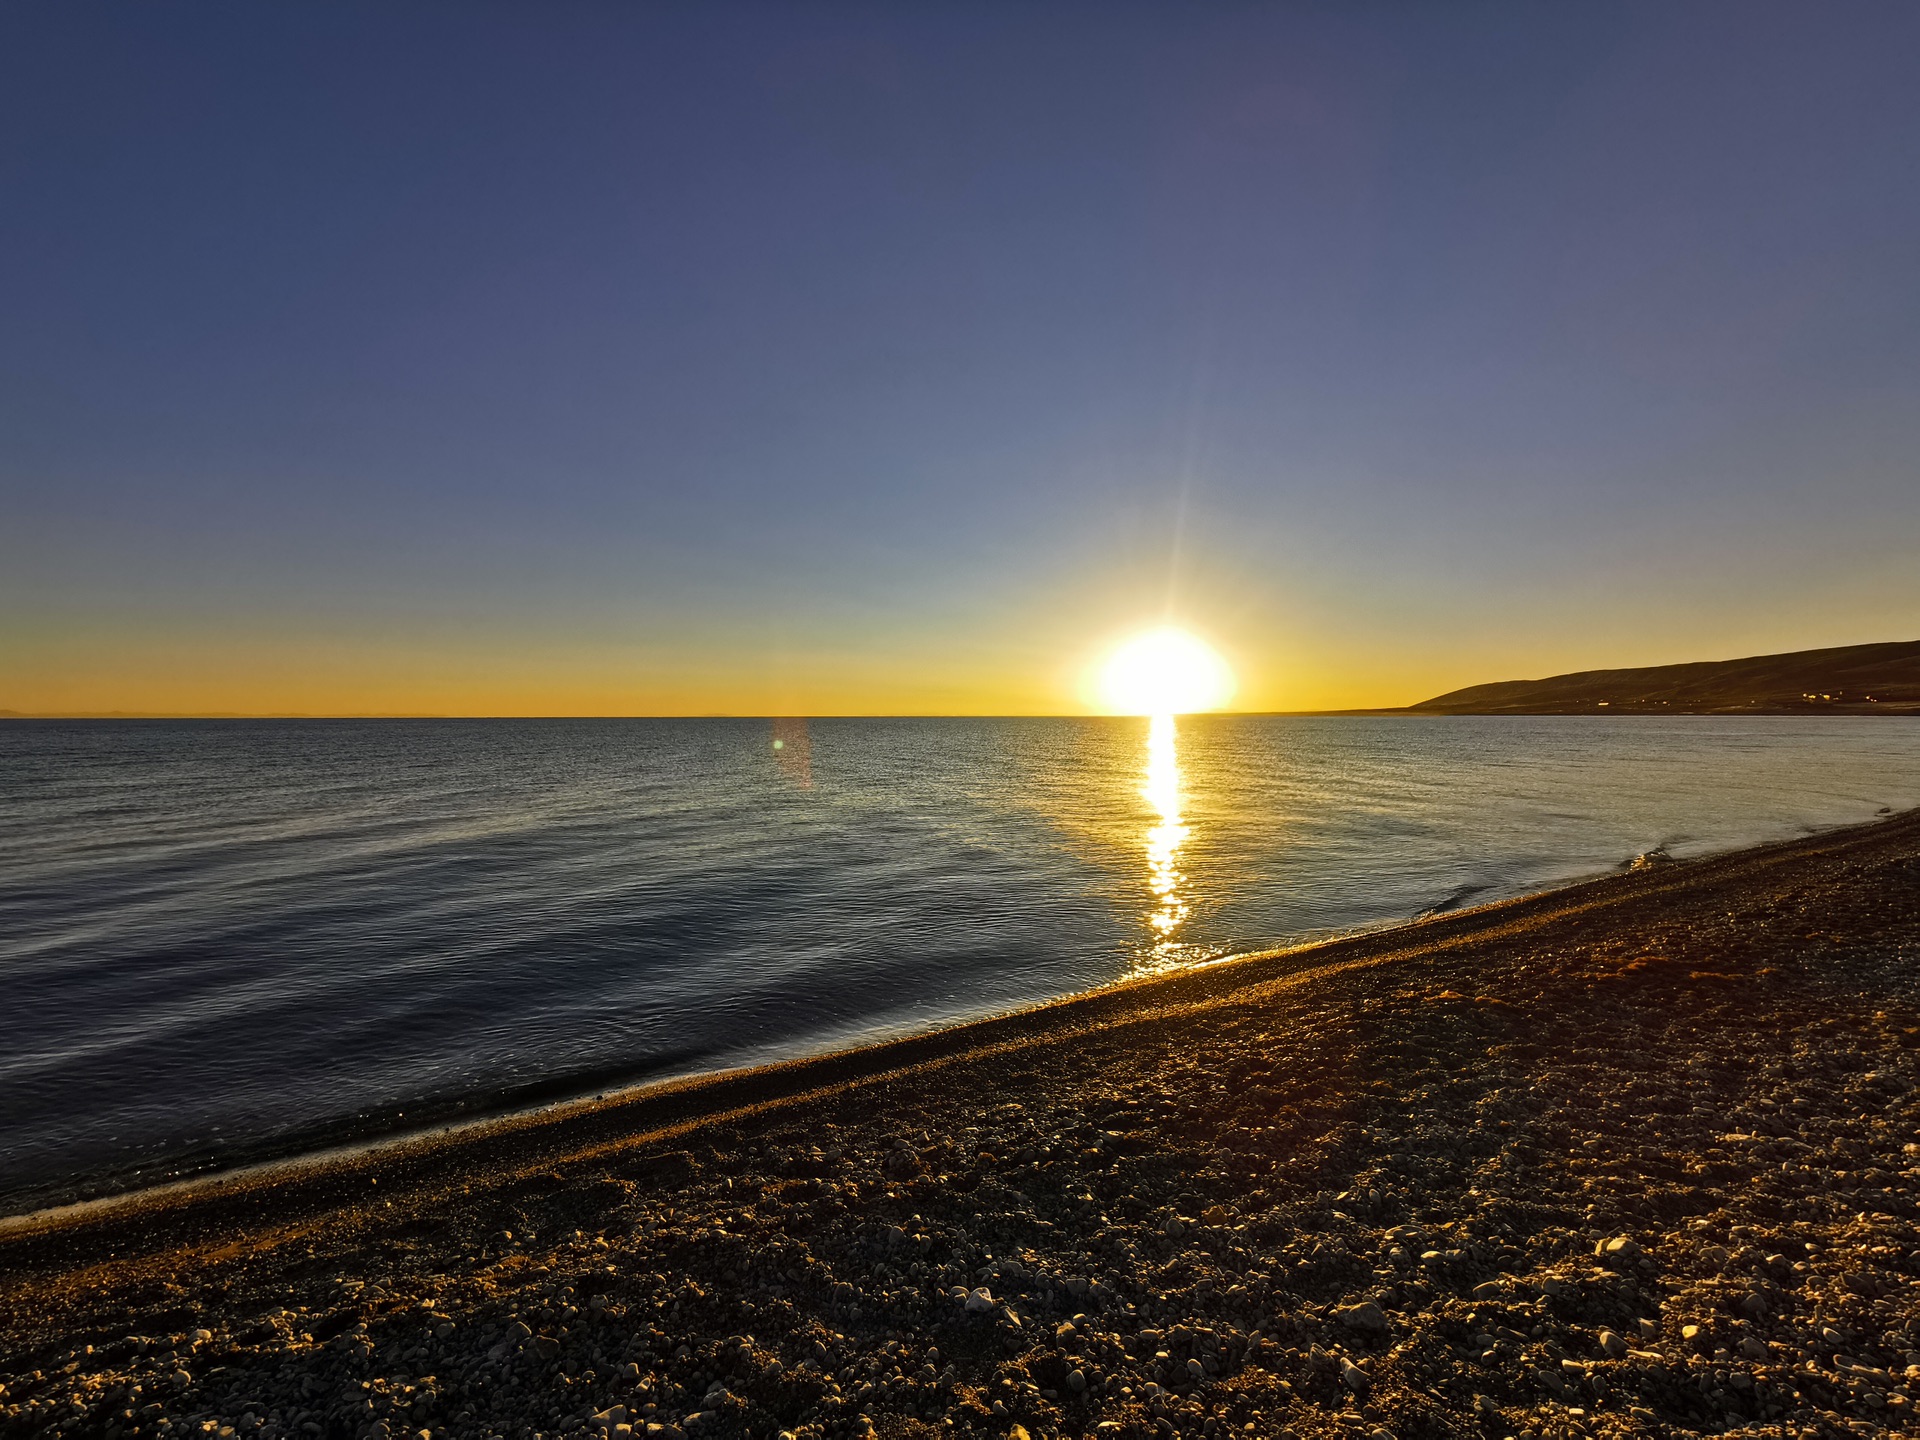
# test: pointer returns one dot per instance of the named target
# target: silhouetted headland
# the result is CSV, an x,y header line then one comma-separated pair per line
x,y
1856,679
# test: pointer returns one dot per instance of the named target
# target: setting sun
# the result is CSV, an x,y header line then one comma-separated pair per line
x,y
1165,672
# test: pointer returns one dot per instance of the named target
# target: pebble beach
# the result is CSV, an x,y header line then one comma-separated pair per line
x,y
1636,1157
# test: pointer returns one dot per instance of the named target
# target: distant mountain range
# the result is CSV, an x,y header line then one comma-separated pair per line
x,y
1852,679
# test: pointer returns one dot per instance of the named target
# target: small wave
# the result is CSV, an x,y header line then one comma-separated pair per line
x,y
1651,859
1453,900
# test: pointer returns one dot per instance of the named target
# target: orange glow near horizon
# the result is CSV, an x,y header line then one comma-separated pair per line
x,y
168,665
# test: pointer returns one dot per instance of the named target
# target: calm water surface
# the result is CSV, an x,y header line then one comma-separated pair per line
x,y
218,937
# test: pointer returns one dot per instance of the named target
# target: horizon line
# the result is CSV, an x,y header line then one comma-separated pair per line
x,y
691,715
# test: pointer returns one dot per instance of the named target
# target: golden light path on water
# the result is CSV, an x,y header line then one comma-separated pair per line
x,y
1164,839
1161,674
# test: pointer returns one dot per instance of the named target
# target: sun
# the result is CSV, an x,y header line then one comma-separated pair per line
x,y
1165,672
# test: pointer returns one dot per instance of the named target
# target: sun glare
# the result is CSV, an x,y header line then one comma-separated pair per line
x,y
1165,672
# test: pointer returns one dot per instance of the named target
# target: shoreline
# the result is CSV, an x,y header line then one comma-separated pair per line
x,y
858,1061
1368,1185
765,1083
450,1120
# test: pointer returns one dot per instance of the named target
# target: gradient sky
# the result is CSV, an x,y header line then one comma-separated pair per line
x,y
620,358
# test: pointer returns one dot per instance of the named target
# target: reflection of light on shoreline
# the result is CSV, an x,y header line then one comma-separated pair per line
x,y
1164,839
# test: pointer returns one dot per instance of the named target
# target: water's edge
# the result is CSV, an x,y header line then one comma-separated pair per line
x,y
555,1096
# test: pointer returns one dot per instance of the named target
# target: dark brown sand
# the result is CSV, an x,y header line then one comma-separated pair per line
x,y
1630,1158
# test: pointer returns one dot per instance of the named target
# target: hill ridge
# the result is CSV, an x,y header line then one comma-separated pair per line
x,y
1876,678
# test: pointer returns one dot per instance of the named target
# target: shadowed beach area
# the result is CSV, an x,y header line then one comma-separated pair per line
x,y
1632,1157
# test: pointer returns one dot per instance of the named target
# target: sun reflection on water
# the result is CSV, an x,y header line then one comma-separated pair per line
x,y
1164,839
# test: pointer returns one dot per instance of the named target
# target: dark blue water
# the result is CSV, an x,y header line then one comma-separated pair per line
x,y
223,937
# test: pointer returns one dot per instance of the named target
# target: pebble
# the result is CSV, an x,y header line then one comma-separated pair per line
x,y
1366,1316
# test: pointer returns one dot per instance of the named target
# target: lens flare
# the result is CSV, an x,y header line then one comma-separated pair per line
x,y
1165,672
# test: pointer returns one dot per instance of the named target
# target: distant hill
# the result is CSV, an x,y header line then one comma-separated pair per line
x,y
1854,679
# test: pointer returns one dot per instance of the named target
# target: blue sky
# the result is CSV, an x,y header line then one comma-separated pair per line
x,y
636,359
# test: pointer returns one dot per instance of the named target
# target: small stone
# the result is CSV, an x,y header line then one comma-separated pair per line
x,y
1484,1405
1018,1432
980,1301
1612,1345
1353,1377
1367,1317
1077,1381
1753,1349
